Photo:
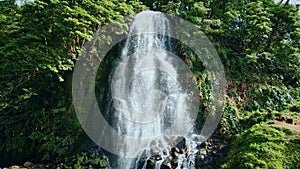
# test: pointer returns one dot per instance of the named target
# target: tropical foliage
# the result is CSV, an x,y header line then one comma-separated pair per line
x,y
258,42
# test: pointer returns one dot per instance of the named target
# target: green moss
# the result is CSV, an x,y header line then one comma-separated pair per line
x,y
292,153
262,146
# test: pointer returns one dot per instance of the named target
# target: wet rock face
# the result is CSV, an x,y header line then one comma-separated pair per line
x,y
209,156
180,143
163,166
211,153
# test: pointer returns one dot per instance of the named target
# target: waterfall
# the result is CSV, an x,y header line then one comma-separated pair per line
x,y
147,92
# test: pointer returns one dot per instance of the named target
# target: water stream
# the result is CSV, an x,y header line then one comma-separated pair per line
x,y
150,99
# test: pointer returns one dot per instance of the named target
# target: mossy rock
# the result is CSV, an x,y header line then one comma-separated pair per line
x,y
262,146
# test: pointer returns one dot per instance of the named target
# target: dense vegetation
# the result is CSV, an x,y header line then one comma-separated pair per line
x,y
258,42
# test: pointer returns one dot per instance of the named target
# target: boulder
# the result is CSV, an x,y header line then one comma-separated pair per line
x,y
14,167
29,165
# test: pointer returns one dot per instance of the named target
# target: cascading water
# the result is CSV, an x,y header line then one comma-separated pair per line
x,y
148,94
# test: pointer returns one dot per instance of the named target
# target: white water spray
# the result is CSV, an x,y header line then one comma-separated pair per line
x,y
148,94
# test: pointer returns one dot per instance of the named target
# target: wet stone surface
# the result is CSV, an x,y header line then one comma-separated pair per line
x,y
210,155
